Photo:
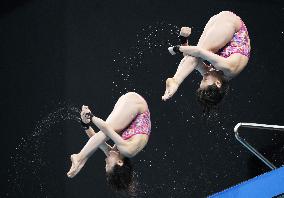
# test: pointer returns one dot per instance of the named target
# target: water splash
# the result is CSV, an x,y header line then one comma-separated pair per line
x,y
151,41
28,163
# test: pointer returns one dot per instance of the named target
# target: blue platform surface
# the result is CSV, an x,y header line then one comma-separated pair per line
x,y
263,186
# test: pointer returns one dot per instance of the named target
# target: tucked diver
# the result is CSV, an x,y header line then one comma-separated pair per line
x,y
128,126
225,44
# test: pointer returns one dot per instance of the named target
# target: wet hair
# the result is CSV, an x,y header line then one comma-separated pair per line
x,y
121,177
211,96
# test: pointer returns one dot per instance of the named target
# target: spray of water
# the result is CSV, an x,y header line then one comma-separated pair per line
x,y
28,159
151,41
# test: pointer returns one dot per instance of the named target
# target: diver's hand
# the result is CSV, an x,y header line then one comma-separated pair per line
x,y
86,114
185,31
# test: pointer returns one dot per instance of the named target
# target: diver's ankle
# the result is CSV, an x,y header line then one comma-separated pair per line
x,y
177,80
80,158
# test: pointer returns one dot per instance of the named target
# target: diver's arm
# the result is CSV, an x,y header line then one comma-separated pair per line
x,y
104,146
116,138
219,62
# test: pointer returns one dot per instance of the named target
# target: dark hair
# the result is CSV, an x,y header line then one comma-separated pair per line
x,y
121,177
211,96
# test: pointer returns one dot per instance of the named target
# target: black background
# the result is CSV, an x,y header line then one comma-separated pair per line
x,y
58,55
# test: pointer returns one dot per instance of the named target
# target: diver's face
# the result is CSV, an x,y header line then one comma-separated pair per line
x,y
209,79
113,159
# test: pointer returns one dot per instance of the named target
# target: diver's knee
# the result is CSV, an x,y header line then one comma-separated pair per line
x,y
131,95
135,99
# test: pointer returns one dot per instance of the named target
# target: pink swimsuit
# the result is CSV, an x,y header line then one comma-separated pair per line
x,y
140,125
239,44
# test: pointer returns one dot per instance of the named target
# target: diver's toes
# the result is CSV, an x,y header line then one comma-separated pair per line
x,y
70,174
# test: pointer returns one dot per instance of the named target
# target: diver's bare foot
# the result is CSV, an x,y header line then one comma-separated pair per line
x,y
77,165
171,87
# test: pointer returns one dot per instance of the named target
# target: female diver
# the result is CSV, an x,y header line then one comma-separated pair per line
x,y
225,44
128,126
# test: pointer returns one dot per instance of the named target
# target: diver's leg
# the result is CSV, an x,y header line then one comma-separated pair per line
x,y
219,31
186,66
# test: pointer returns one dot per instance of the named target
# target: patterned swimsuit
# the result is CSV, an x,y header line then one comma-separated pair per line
x,y
140,125
239,44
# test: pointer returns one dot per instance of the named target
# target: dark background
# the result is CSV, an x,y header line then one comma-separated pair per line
x,y
58,55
